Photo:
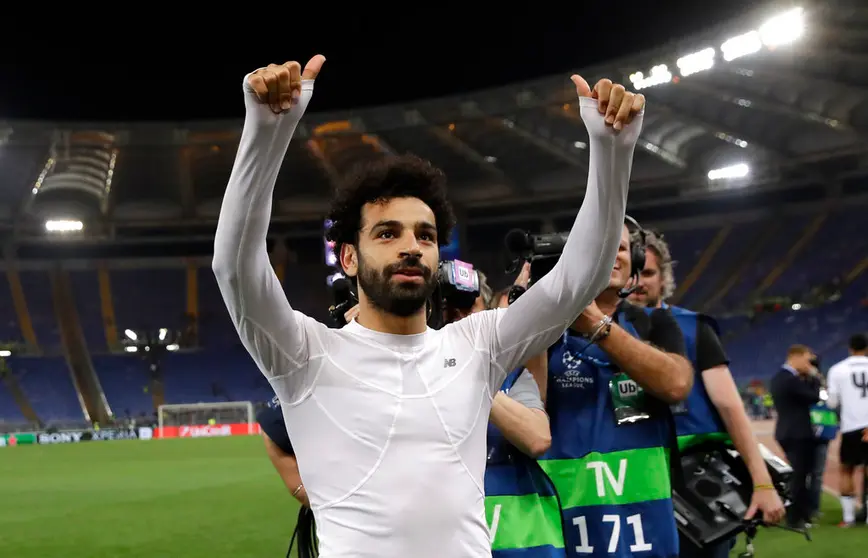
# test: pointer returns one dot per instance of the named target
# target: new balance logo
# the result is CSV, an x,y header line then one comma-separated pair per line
x,y
449,363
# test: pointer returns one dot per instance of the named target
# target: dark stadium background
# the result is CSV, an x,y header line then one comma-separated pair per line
x,y
779,256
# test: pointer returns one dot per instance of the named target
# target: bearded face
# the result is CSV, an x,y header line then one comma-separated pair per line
x,y
400,288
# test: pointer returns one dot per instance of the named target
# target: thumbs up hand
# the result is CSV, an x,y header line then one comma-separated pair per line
x,y
280,86
618,105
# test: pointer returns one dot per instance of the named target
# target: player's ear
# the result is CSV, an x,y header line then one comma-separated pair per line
x,y
349,259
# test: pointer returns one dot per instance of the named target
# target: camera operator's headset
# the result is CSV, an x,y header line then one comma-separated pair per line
x,y
637,254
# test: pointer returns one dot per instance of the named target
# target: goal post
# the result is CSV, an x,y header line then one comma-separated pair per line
x,y
206,419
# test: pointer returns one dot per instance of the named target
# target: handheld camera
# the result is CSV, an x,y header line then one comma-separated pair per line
x,y
714,491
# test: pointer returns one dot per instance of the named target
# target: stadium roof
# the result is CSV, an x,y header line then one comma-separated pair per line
x,y
767,101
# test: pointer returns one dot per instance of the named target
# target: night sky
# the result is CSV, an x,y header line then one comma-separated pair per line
x,y
182,70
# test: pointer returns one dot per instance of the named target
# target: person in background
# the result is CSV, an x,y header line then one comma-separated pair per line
x,y
848,390
279,449
796,389
824,421
516,488
611,380
714,411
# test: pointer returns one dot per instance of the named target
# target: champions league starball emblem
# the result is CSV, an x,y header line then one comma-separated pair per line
x,y
571,361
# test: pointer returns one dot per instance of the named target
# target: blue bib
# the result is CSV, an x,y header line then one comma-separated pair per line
x,y
824,421
696,418
521,507
613,481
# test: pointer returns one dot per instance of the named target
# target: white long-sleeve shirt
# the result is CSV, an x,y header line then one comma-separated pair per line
x,y
390,429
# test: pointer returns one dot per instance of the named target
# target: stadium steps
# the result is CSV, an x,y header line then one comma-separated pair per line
x,y
702,264
107,307
857,270
791,255
18,395
192,301
21,311
90,394
745,261
157,387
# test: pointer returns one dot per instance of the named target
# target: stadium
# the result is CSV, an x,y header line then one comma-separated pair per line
x,y
116,347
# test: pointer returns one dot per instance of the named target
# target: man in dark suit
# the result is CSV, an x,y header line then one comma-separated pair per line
x,y
795,389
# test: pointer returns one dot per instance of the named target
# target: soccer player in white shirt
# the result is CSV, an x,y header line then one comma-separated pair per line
x,y
388,417
847,385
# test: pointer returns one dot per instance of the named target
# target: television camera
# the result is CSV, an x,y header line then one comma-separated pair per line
x,y
712,492
542,251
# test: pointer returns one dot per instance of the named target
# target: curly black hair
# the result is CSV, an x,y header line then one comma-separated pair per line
x,y
402,176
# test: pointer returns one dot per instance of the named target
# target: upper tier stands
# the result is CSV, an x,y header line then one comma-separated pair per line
x,y
214,367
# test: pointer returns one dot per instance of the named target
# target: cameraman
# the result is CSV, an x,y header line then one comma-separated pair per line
x,y
713,412
611,378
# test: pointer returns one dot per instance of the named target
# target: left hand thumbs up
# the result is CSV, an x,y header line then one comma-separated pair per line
x,y
617,104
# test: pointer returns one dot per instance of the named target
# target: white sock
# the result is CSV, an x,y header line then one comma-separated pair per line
x,y
848,504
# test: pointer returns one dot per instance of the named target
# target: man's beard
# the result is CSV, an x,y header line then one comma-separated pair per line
x,y
647,300
399,298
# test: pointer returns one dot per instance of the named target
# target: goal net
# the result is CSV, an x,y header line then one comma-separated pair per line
x,y
194,420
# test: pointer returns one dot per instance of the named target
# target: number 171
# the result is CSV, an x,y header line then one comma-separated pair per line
x,y
634,521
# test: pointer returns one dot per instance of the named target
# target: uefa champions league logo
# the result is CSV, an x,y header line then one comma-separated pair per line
x,y
571,361
574,375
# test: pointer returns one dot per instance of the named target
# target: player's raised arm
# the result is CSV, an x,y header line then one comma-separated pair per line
x,y
276,336
613,118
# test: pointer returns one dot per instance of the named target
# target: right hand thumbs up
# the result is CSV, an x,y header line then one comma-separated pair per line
x,y
279,86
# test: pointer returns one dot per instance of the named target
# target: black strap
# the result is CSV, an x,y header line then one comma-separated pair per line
x,y
676,471
305,532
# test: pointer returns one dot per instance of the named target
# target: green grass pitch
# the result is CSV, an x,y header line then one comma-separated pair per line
x,y
203,498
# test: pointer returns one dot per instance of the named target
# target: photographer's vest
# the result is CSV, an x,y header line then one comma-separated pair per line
x,y
824,422
696,418
521,507
612,480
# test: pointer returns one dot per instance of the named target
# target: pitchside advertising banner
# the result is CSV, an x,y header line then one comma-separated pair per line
x,y
143,433
207,430
75,436
17,439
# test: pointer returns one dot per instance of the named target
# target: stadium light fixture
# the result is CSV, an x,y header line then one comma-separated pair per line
x,y
580,145
4,353
658,75
163,333
733,171
173,347
696,62
63,225
783,28
131,335
741,45
131,349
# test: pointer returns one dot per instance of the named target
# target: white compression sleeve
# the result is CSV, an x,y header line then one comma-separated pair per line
x,y
536,320
275,335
